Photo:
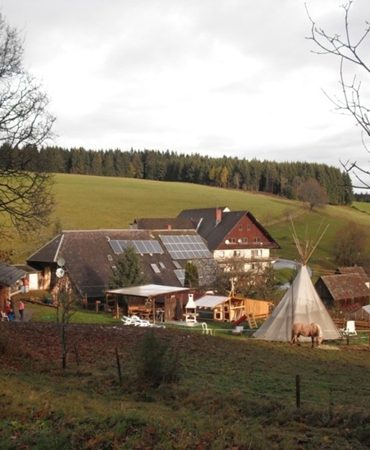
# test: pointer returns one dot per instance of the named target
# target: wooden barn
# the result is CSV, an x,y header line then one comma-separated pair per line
x,y
344,292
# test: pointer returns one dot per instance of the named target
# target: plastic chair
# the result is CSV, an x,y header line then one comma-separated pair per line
x,y
205,329
127,320
350,329
238,330
4,317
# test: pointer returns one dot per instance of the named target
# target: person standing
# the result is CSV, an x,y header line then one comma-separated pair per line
x,y
21,310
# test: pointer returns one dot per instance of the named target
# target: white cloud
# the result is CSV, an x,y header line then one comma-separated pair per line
x,y
208,76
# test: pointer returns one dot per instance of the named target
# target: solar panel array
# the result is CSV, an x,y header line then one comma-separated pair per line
x,y
185,246
148,246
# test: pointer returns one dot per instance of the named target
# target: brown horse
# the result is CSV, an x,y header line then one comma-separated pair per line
x,y
312,330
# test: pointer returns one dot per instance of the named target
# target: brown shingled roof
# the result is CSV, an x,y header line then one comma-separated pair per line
x,y
163,224
90,258
346,286
354,269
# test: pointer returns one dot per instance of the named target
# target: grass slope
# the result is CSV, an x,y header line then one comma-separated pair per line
x,y
233,393
89,202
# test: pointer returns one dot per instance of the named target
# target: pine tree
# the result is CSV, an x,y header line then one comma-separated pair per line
x,y
128,270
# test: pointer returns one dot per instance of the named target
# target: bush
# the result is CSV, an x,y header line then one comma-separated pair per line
x,y
157,362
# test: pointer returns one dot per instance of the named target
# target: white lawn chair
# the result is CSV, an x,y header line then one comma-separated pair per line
x,y
127,320
205,329
4,317
238,330
140,322
350,329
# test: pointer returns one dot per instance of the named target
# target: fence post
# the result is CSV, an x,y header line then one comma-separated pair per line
x,y
76,354
331,404
298,391
118,367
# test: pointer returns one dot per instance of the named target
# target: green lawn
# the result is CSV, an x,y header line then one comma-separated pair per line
x,y
41,313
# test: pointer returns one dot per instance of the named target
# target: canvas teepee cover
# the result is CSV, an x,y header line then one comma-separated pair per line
x,y
299,304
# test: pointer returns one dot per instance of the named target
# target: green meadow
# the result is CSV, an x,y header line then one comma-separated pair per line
x,y
90,202
230,393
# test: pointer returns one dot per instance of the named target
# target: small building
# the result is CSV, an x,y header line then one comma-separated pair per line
x,y
10,282
343,292
32,280
232,308
151,301
362,314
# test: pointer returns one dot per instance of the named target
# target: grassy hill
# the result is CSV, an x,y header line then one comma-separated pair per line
x,y
89,202
232,392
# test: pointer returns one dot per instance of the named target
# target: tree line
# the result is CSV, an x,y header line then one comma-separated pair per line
x,y
280,178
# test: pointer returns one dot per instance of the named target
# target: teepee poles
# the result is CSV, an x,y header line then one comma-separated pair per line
x,y
307,248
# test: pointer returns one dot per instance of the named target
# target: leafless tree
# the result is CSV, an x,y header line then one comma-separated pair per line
x,y
25,195
65,302
353,69
311,192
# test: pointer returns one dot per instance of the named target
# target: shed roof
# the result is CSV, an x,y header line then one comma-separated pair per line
x,y
210,301
147,290
346,286
10,274
354,269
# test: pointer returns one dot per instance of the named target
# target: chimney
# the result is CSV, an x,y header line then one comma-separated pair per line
x,y
169,227
218,215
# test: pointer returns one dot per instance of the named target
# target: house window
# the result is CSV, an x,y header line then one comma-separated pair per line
x,y
232,240
162,266
236,253
257,239
245,240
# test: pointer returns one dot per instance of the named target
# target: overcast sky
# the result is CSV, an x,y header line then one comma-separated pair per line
x,y
217,77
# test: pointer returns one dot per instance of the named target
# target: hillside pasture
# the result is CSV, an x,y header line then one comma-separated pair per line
x,y
91,202
233,392
362,206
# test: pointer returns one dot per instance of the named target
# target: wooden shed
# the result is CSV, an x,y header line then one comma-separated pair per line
x,y
233,308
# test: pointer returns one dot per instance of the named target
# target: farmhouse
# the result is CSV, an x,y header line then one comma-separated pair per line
x,y
90,257
230,235
344,292
233,235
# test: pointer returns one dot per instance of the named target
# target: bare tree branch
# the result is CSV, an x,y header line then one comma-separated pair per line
x,y
25,195
349,54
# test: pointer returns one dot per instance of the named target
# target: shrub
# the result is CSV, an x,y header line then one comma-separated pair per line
x,y
157,362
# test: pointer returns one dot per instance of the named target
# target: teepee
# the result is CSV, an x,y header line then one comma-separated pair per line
x,y
300,303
